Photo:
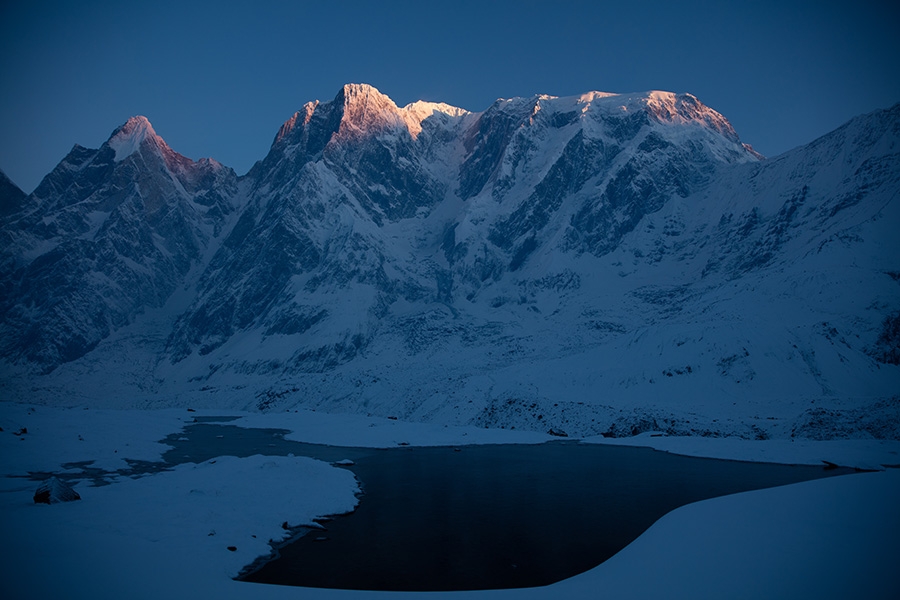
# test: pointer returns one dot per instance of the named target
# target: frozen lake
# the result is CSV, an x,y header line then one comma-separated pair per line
x,y
481,517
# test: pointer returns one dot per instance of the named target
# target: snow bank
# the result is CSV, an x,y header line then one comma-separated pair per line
x,y
376,432
868,454
830,538
161,535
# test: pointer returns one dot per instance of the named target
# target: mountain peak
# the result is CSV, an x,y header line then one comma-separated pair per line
x,y
362,96
128,138
365,109
360,109
352,91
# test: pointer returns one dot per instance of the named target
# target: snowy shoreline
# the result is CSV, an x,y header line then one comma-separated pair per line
x,y
167,534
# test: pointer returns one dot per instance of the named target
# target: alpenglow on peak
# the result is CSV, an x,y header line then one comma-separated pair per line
x,y
128,138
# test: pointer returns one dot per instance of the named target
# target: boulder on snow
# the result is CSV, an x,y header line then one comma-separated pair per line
x,y
54,490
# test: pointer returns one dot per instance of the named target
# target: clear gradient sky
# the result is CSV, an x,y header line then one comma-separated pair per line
x,y
218,78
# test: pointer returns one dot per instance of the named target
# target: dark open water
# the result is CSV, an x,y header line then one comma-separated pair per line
x,y
481,517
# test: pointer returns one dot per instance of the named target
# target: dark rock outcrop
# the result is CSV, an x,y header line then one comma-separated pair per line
x,y
53,491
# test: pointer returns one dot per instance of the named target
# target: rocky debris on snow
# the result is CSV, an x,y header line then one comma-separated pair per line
x,y
53,491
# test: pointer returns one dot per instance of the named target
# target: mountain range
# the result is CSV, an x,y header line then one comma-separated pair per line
x,y
602,264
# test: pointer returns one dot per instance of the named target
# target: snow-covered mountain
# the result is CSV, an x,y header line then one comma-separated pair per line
x,y
106,235
593,264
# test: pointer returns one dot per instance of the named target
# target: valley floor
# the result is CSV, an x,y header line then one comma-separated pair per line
x,y
167,535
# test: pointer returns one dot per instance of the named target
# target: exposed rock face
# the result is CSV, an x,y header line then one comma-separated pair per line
x,y
595,264
53,491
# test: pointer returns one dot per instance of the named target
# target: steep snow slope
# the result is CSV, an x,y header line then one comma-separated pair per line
x,y
593,264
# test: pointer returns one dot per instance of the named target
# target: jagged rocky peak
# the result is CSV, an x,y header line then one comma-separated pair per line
x,y
128,138
358,110
133,154
107,234
138,135
368,111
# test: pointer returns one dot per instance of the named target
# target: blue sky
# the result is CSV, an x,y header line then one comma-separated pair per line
x,y
218,79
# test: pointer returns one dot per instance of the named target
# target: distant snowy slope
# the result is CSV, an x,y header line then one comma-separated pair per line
x,y
596,264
